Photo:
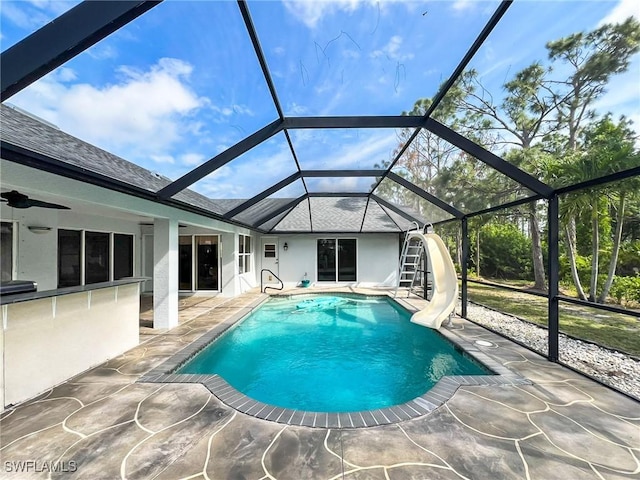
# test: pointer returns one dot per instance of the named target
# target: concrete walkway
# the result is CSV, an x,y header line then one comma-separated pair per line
x,y
104,425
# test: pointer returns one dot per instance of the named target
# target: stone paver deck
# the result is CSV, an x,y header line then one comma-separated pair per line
x,y
103,424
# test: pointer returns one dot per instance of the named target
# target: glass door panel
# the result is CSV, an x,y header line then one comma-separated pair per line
x,y
207,263
326,260
185,273
347,260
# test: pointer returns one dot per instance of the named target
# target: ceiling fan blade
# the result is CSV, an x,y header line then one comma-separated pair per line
x,y
41,204
16,199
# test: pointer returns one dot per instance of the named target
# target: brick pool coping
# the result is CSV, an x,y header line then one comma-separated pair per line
x,y
442,391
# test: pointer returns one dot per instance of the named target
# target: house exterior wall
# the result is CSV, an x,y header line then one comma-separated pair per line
x,y
377,258
48,340
37,254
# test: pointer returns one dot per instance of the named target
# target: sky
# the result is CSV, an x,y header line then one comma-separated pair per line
x,y
182,83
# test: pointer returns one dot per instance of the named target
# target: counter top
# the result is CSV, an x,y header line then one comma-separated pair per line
x,y
24,297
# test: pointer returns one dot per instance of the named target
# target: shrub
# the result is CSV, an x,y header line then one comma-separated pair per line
x,y
629,259
626,288
505,252
583,264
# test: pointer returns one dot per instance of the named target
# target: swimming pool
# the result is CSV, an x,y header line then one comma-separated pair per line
x,y
331,354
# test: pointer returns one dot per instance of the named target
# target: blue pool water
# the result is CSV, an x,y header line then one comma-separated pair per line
x,y
331,354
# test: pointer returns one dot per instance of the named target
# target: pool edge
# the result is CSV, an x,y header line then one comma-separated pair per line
x,y
422,405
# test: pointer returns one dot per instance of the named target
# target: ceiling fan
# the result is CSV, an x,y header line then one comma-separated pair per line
x,y
16,199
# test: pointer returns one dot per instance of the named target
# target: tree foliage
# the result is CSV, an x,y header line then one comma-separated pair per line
x,y
544,120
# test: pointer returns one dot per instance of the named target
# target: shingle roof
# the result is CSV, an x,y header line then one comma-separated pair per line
x,y
37,136
334,214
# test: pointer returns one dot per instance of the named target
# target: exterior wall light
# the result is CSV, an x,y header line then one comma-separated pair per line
x,y
38,229
285,246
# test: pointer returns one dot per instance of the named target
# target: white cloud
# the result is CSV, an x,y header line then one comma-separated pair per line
x,y
242,177
392,50
192,159
623,10
102,52
345,184
162,159
34,14
462,5
295,109
65,74
279,50
22,16
350,53
234,109
354,149
311,12
140,117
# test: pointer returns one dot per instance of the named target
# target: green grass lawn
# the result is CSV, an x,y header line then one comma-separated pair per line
x,y
613,330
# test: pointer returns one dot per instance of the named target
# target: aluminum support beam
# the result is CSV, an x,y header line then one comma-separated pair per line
x,y
64,38
426,195
486,31
392,207
248,22
262,195
221,159
464,268
280,210
554,276
596,182
485,156
380,121
342,173
338,194
515,203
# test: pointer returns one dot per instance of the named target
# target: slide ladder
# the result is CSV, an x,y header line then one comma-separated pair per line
x,y
411,260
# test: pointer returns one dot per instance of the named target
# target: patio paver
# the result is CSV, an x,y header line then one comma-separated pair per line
x,y
104,425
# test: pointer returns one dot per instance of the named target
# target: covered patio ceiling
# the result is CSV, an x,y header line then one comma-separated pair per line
x,y
317,159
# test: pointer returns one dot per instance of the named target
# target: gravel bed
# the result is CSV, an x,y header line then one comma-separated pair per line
x,y
614,368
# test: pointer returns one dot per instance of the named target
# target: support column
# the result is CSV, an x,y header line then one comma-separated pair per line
x,y
465,263
553,267
165,273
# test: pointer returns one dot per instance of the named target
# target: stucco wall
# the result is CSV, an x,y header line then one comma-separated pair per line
x,y
37,254
377,258
49,340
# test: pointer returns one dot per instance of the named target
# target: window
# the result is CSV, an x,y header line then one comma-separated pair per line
x,y
122,256
6,251
96,257
269,250
69,251
244,255
337,260
96,250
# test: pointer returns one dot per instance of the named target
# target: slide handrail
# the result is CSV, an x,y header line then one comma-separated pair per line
x,y
262,281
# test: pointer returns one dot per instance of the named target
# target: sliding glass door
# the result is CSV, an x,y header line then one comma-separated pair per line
x,y
336,260
198,264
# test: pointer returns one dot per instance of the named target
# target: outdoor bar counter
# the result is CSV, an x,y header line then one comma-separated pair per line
x,y
49,336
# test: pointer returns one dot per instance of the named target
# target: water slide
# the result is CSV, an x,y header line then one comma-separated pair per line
x,y
445,282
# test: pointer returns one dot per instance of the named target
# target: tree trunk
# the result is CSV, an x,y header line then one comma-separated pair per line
x,y
536,249
616,250
595,248
570,232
